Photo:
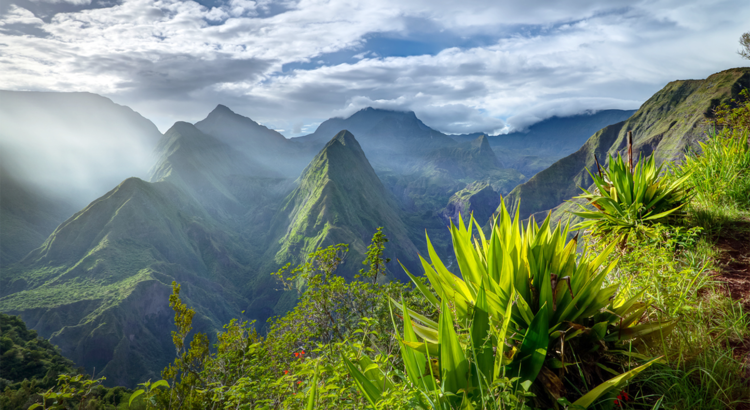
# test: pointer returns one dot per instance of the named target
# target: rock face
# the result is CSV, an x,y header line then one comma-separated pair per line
x,y
665,125
478,199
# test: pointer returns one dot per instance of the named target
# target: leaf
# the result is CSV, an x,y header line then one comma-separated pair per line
x,y
454,368
589,398
160,383
530,359
311,395
134,395
422,288
480,332
371,392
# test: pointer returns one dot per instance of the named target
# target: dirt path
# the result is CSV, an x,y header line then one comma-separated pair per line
x,y
734,271
734,261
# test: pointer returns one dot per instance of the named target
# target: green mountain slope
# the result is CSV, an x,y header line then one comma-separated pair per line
x,y
666,124
339,199
98,286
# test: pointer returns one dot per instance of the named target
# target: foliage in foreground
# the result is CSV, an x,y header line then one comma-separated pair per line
x,y
524,309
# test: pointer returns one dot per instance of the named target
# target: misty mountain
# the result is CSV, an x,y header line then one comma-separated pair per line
x,y
393,140
204,167
670,121
543,143
27,217
75,146
258,143
340,199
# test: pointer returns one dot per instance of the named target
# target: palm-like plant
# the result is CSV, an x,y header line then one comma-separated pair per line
x,y
630,197
524,304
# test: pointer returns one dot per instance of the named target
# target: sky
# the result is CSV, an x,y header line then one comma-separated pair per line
x,y
462,66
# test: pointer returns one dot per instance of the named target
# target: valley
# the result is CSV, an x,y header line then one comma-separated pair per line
x,y
227,201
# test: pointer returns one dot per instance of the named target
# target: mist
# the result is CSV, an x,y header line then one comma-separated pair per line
x,y
73,146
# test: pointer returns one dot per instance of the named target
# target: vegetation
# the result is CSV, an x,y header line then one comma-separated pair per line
x,y
745,43
528,316
33,370
628,199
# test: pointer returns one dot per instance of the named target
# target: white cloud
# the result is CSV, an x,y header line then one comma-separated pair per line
x,y
74,2
19,15
174,59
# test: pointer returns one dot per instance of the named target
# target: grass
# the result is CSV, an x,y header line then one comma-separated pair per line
x,y
677,268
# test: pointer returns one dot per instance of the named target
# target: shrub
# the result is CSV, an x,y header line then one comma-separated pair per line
x,y
629,199
524,309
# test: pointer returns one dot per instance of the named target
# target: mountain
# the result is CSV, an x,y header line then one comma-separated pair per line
x,y
98,287
340,199
258,143
469,159
204,167
393,140
666,124
444,171
536,148
477,199
73,146
27,217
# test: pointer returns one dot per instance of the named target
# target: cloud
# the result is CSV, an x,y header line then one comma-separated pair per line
x,y
74,2
470,66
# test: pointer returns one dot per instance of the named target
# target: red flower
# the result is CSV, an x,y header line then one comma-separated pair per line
x,y
303,352
296,354
299,381
623,396
286,371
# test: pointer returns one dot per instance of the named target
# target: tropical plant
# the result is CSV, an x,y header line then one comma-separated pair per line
x,y
524,309
629,198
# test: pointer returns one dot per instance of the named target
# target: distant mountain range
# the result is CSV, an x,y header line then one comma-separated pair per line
x,y
225,203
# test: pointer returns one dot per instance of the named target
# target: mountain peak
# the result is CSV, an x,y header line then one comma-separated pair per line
x,y
344,137
221,109
482,143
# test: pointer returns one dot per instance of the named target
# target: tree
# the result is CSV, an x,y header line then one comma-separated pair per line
x,y
375,259
745,43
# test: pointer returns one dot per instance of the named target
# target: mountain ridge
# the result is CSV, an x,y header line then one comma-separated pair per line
x,y
666,124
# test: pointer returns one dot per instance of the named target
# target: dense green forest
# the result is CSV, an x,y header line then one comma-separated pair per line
x,y
638,305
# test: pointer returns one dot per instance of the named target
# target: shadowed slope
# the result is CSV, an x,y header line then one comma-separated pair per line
x,y
258,143
98,287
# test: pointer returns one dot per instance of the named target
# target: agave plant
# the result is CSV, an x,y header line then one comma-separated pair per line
x,y
524,305
630,197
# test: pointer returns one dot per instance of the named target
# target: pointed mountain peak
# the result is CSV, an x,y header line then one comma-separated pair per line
x,y
344,144
344,137
221,109
482,143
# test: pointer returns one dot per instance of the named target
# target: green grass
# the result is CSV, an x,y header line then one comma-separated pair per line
x,y
676,269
